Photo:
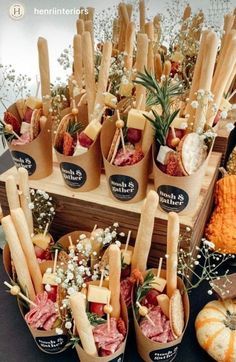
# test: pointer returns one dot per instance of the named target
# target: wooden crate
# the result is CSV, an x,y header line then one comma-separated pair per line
x,y
82,211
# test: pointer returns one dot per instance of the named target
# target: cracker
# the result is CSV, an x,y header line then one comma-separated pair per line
x,y
176,312
35,123
62,129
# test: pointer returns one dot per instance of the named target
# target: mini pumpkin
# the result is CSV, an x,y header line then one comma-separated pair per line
x,y
216,330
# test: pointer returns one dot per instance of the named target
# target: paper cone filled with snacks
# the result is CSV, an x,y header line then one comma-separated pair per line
x,y
28,125
159,300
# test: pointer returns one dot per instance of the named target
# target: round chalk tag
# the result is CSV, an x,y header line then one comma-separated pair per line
x,y
118,358
52,344
23,160
172,198
123,188
165,354
74,176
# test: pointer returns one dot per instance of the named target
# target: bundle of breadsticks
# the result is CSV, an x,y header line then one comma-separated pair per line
x,y
25,119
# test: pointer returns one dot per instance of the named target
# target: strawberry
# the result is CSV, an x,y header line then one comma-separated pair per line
x,y
9,118
67,144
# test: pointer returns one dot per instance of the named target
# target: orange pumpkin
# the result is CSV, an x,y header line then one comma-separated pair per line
x,y
216,330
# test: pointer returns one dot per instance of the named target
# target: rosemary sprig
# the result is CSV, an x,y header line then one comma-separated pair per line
x,y
94,319
74,127
144,288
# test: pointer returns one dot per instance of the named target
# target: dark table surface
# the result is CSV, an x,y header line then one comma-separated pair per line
x,y
17,344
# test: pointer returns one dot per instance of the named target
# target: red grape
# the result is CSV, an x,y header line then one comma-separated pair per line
x,y
84,140
97,308
134,135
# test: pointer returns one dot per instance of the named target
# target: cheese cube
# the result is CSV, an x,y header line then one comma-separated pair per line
x,y
92,130
98,294
125,89
126,256
110,100
164,303
225,105
79,150
25,127
42,241
158,284
49,278
162,156
21,108
136,119
33,103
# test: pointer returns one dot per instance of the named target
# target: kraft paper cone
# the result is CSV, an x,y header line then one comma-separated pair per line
x,y
118,356
127,183
35,156
155,351
47,341
178,193
82,173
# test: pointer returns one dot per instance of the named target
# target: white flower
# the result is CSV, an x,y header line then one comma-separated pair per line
x,y
31,205
59,331
48,287
71,291
201,92
68,325
70,276
118,243
229,127
209,244
58,280
224,114
116,225
210,292
194,104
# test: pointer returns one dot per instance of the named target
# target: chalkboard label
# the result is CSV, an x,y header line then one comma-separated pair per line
x,y
124,188
52,344
172,198
23,160
167,354
74,176
118,358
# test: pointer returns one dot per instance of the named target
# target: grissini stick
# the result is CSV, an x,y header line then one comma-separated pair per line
x,y
12,193
44,73
145,230
25,197
80,26
167,68
149,30
129,45
82,14
142,15
172,252
196,76
148,135
124,14
115,32
18,257
78,62
88,26
89,71
230,81
82,324
90,14
158,64
228,25
22,230
114,278
141,63
205,81
129,9
157,28
103,75
122,28
187,12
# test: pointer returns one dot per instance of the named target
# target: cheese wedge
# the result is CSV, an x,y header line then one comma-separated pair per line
x,y
163,153
21,108
41,241
136,119
158,284
33,103
49,278
110,100
25,127
164,303
98,294
125,89
92,130
126,256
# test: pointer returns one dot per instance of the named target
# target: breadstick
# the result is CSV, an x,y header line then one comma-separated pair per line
x,y
167,68
25,197
12,193
88,26
80,26
142,15
145,230
82,13
115,32
18,257
172,252
141,63
82,324
124,14
122,28
78,64
230,81
129,8
205,81
44,73
22,230
158,66
196,75
149,30
228,25
157,28
129,45
114,278
89,71
187,12
103,75
90,14
148,135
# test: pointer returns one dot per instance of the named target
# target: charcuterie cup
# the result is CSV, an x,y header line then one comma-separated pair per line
x,y
35,156
154,351
125,183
